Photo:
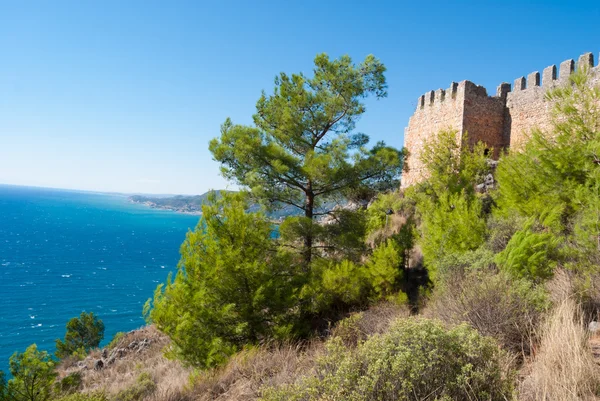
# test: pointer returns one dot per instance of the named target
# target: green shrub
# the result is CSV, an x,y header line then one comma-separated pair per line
x,y
416,359
530,254
143,387
378,211
384,269
345,281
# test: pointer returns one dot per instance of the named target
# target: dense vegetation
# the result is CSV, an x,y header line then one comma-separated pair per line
x,y
504,276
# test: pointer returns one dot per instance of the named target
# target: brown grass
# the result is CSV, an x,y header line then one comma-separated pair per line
x,y
171,377
394,224
490,303
375,320
563,368
246,372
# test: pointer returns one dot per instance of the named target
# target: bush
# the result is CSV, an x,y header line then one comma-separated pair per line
x,y
530,254
344,282
231,289
143,387
385,268
495,304
416,359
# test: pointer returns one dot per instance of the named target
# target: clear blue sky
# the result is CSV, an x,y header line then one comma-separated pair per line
x,y
125,95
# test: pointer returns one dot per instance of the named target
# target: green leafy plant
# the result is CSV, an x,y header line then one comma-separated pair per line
x,y
415,359
530,254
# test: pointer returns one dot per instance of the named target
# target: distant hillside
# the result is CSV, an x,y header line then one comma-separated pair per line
x,y
192,204
180,203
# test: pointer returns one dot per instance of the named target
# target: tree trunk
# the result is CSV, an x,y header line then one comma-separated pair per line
x,y
309,204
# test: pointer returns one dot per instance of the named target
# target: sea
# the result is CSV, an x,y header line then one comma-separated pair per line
x,y
64,252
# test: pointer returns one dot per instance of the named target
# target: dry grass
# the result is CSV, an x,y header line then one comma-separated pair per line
x,y
394,223
563,368
375,320
171,377
493,304
248,371
560,286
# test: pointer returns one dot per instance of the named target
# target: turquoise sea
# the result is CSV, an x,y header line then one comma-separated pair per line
x,y
64,252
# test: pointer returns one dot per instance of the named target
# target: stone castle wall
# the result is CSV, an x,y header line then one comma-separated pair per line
x,y
501,121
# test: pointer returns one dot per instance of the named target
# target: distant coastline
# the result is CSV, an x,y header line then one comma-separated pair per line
x,y
181,204
192,205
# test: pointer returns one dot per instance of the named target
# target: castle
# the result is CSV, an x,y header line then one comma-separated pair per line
x,y
501,121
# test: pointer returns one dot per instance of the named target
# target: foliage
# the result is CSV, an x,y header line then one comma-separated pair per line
x,y
385,268
333,286
452,165
414,359
453,225
32,375
302,151
231,288
83,333
345,281
384,205
555,180
529,254
343,235
144,386
451,213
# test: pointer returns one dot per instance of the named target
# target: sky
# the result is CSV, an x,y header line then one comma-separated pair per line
x,y
124,96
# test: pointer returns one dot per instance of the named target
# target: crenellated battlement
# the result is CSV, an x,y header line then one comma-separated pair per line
x,y
438,96
456,91
500,121
552,76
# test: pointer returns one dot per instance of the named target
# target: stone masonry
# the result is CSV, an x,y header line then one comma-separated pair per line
x,y
501,121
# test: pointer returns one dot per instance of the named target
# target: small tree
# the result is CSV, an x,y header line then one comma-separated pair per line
x,y
33,375
450,210
232,287
83,333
